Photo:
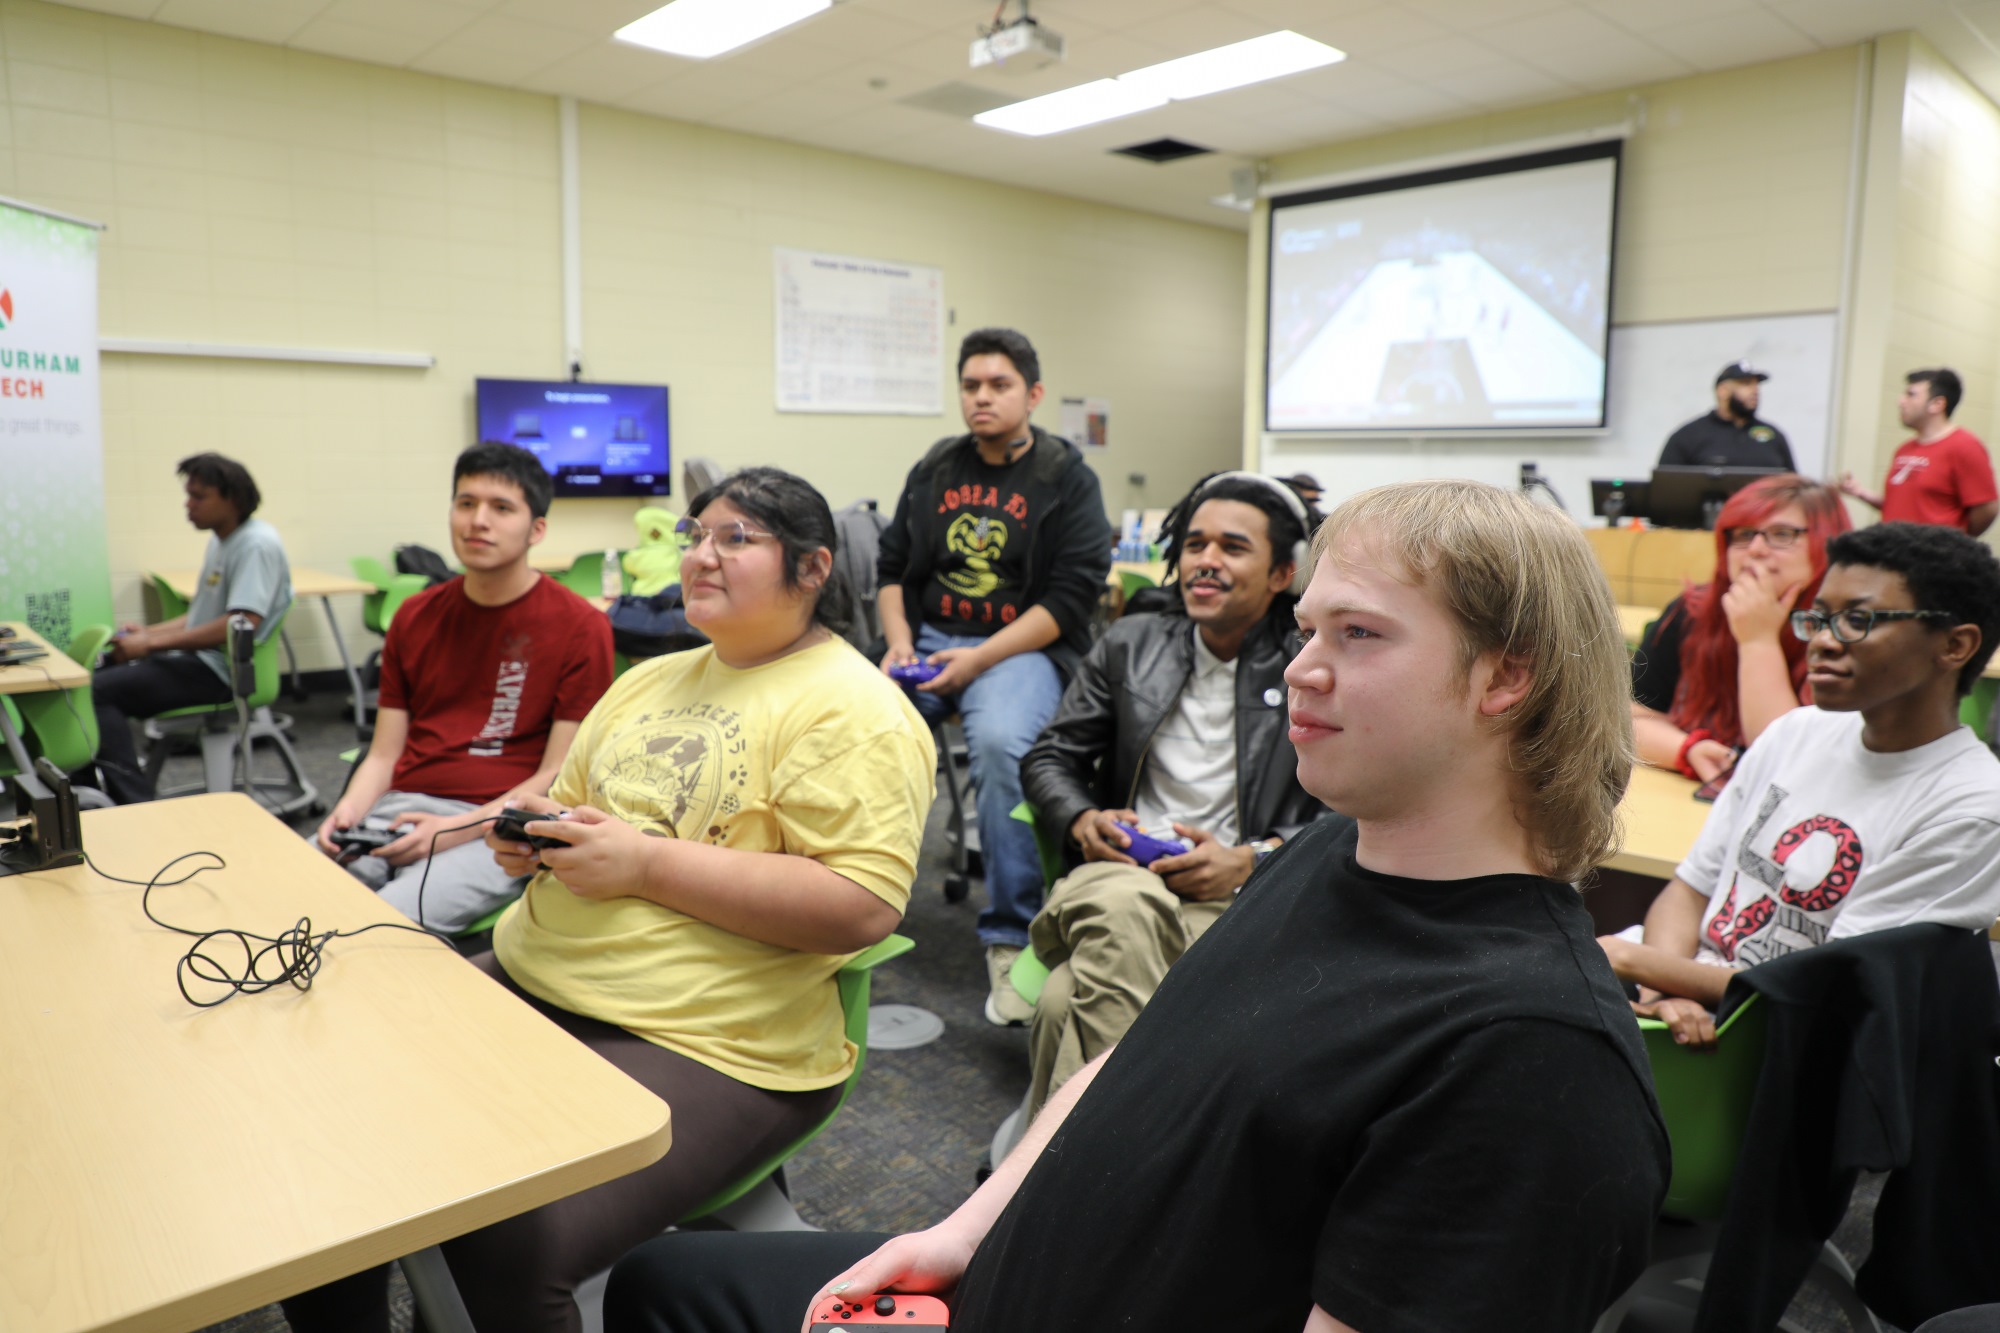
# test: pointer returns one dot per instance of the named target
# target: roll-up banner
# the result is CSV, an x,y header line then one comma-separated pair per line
x,y
54,567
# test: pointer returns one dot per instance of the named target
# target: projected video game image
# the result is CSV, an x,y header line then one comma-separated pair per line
x,y
595,439
1471,304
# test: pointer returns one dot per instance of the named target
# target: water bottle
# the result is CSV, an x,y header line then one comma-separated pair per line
x,y
611,583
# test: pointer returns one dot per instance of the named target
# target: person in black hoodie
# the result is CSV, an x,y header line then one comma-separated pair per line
x,y
1174,723
990,570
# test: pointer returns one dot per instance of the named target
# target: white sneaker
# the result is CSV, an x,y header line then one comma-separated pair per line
x,y
1005,1008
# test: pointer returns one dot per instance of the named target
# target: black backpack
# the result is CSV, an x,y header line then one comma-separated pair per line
x,y
414,559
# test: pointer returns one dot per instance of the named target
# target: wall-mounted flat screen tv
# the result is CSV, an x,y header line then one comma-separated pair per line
x,y
1472,299
595,439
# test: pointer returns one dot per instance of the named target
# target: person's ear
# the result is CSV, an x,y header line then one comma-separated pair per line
x,y
1508,680
815,569
1960,643
1282,574
538,530
1035,395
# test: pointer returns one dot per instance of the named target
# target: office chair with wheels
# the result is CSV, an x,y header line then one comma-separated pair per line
x,y
61,725
224,750
757,1201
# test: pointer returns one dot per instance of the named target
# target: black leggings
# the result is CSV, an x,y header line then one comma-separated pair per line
x,y
520,1274
144,688
722,1282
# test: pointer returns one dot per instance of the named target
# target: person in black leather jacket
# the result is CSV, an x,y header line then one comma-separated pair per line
x,y
1174,723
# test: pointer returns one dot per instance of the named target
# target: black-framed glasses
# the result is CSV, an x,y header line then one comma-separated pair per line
x,y
1853,624
1779,536
730,537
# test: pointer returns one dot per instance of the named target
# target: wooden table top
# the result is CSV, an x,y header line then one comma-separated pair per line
x,y
305,582
167,1167
54,672
1662,820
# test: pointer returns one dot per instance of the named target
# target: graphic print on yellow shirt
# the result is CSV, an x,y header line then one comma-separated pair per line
x,y
813,755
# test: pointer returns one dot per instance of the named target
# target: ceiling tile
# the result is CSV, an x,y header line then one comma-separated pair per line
x,y
356,41
1383,28
1302,15
1440,56
1509,83
266,21
1645,15
1485,13
1841,22
1754,36
430,20
1583,48
496,49
130,9
605,72
860,33
596,18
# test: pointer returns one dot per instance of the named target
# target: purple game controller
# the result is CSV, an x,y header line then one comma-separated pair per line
x,y
1146,849
914,673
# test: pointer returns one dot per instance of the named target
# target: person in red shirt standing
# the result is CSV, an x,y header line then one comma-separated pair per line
x,y
1944,475
485,680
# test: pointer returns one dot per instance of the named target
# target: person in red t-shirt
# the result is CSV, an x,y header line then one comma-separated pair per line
x,y
485,680
1944,475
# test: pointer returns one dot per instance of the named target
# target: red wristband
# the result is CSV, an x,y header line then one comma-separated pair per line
x,y
1681,764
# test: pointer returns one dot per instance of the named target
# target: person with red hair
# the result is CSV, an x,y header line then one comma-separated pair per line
x,y
1718,666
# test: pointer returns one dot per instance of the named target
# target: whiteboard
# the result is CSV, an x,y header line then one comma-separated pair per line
x,y
858,335
1661,376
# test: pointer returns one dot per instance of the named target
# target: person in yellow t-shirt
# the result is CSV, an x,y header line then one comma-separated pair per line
x,y
742,818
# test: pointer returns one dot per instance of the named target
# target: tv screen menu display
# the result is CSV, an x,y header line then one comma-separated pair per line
x,y
595,439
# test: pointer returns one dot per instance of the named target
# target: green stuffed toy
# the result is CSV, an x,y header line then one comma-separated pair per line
x,y
655,562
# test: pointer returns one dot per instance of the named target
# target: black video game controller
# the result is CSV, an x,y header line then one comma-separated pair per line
x,y
509,827
366,837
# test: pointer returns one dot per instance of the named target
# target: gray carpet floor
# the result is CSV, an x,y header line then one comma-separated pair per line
x,y
905,1150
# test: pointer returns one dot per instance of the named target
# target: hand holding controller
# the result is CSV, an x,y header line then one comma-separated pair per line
x,y
509,827
365,837
1146,849
914,673
834,1314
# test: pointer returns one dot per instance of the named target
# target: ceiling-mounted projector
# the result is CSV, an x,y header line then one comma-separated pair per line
x,y
1023,44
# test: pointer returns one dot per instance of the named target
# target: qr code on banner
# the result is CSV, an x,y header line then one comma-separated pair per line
x,y
48,615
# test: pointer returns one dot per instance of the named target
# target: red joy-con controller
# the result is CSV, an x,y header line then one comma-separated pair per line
x,y
913,1312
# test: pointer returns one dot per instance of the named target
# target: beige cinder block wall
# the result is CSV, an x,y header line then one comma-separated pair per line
x,y
257,195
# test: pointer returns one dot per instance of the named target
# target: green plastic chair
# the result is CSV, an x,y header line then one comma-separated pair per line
x,y
171,603
60,725
219,744
1706,1099
1132,580
853,980
1029,974
585,577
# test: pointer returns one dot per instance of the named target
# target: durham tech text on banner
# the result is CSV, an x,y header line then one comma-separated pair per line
x,y
54,569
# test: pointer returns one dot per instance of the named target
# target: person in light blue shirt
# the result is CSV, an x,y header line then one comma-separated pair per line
x,y
179,662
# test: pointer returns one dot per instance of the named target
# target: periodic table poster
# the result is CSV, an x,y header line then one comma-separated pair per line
x,y
858,335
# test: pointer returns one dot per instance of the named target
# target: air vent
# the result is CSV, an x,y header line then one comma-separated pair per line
x,y
964,100
1162,150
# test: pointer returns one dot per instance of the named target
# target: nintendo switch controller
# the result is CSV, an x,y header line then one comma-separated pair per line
x,y
509,826
1146,849
836,1314
914,673
365,837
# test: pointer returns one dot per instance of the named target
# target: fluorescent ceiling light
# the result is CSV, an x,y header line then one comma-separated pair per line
x,y
699,29
1085,104
1271,56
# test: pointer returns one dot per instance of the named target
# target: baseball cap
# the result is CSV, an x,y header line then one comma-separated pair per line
x,y
1740,370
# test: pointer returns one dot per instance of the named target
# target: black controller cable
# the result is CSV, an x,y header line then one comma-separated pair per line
x,y
292,957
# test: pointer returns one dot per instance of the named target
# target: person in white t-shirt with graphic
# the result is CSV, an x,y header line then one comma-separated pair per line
x,y
1875,809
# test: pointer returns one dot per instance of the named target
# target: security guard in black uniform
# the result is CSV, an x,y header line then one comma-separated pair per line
x,y
1731,435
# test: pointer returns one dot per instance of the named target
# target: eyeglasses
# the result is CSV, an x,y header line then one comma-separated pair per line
x,y
730,538
1779,536
1853,624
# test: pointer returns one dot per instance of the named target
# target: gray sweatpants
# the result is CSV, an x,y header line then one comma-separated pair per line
x,y
464,884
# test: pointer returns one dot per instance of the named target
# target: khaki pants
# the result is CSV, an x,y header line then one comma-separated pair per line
x,y
1108,933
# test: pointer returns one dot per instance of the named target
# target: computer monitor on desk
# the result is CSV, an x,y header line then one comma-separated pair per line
x,y
1691,497
1619,500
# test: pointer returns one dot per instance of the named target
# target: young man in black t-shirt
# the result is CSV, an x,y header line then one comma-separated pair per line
x,y
1396,1087
991,569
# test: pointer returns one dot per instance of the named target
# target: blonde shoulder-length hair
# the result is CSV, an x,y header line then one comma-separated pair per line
x,y
1520,579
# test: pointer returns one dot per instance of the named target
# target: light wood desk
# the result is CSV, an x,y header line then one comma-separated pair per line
x,y
305,583
1632,622
168,1167
1662,820
54,672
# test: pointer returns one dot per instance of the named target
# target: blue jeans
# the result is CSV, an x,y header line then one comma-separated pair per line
x,y
1002,712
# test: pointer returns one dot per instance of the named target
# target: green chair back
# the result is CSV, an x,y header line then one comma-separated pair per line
x,y
171,603
1975,710
1029,974
269,676
61,725
585,578
1705,1098
1131,581
853,981
370,570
